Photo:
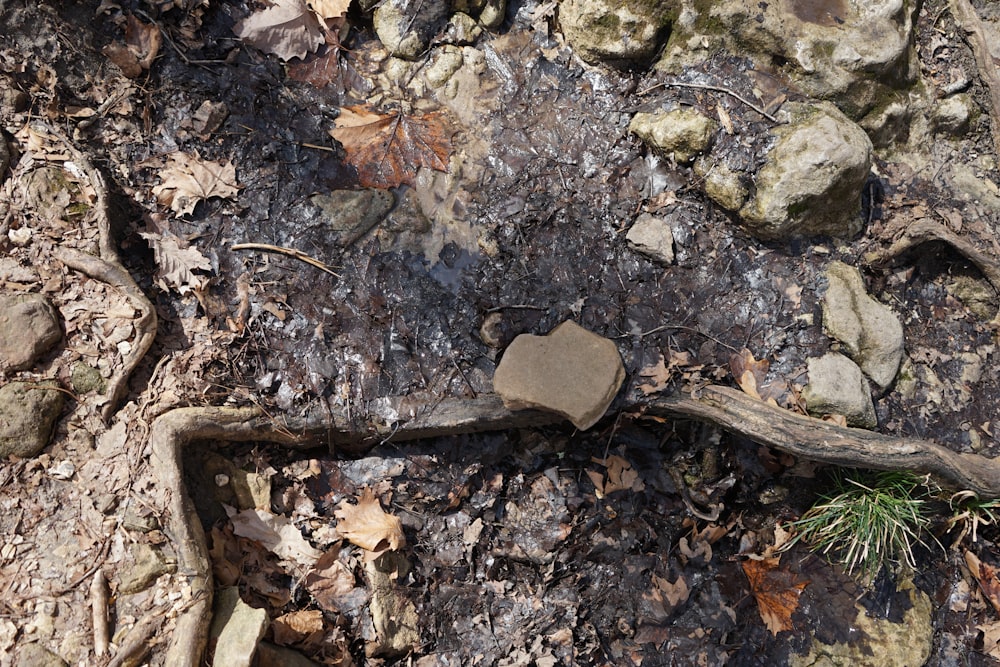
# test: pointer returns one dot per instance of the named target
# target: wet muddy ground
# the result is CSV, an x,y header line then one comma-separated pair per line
x,y
522,551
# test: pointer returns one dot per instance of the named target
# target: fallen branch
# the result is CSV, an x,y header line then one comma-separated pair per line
x,y
717,89
288,252
99,612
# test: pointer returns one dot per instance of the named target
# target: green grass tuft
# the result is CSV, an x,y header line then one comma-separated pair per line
x,y
869,519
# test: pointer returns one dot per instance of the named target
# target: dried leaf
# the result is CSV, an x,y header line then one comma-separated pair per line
x,y
287,29
620,476
986,575
388,149
176,262
330,9
297,627
749,372
331,584
368,525
658,375
675,593
776,591
143,40
320,71
187,179
276,533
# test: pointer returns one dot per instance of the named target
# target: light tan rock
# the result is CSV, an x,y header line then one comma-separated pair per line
x,y
837,387
237,628
683,132
652,236
29,327
870,331
571,371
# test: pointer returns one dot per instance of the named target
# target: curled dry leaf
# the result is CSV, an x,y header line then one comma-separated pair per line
x,y
330,9
142,45
287,29
776,591
388,149
368,525
749,373
187,179
176,262
277,534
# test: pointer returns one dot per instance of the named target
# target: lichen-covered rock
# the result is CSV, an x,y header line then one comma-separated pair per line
x,y
812,179
571,372
682,132
952,114
837,387
615,31
869,331
880,642
406,27
723,185
237,628
29,327
849,52
28,413
652,237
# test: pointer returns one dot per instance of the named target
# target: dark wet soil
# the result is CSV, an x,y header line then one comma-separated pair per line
x,y
539,239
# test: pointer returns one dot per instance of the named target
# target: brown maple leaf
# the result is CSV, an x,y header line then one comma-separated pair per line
x,y
776,591
388,149
986,575
288,29
368,525
749,372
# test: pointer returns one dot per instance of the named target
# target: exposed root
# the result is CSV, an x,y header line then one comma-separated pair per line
x,y
108,269
817,440
966,17
925,230
145,325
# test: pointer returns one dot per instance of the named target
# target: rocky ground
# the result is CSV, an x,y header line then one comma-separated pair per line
x,y
266,273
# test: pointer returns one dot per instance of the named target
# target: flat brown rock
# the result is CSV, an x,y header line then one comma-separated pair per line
x,y
571,371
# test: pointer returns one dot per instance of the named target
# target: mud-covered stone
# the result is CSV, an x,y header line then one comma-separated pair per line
x,y
870,331
571,371
682,132
653,237
29,327
838,387
350,214
615,31
406,27
812,179
952,114
36,655
28,413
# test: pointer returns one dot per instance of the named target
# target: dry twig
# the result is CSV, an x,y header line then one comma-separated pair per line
x,y
288,252
99,611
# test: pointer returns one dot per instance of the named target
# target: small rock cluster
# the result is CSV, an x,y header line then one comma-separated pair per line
x,y
29,329
871,336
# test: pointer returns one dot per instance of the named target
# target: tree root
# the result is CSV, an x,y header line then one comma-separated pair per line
x,y
817,440
925,230
145,325
108,269
966,17
727,408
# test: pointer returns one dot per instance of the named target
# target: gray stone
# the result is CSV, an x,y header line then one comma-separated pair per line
x,y
406,27
36,655
349,214
148,565
652,237
28,413
683,132
237,628
615,31
29,327
952,114
571,372
869,331
813,176
837,387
